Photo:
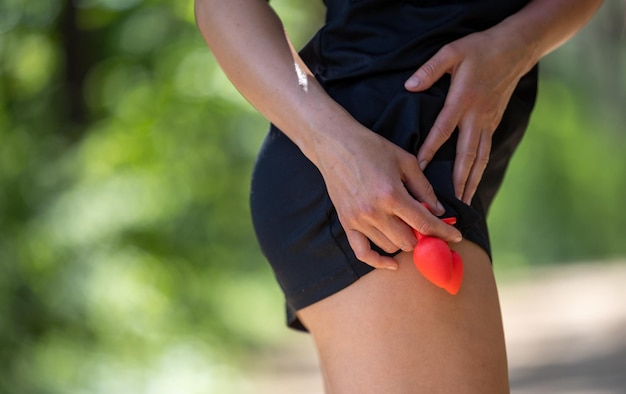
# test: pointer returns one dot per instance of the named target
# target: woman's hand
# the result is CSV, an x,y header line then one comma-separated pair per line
x,y
485,69
376,188
368,178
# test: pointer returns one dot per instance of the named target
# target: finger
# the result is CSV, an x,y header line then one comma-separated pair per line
x,y
363,251
388,232
422,220
430,72
442,130
478,169
466,153
385,240
398,233
418,185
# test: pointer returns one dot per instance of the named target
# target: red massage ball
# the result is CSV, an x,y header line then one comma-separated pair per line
x,y
437,262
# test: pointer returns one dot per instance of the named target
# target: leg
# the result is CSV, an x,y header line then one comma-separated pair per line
x,y
394,332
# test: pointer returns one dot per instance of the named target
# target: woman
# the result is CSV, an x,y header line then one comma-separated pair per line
x,y
392,104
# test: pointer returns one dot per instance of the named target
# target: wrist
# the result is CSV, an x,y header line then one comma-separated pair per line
x,y
522,47
325,127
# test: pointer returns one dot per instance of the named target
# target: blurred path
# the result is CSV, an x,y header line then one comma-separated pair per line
x,y
565,327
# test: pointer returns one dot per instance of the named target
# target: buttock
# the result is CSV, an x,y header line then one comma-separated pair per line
x,y
297,227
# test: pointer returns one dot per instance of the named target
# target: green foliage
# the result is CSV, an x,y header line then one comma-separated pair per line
x,y
127,259
563,195
127,255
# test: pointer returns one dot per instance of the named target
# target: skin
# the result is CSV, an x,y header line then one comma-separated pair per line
x,y
373,200
411,336
478,95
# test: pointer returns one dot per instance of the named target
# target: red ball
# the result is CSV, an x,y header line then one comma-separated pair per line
x,y
438,263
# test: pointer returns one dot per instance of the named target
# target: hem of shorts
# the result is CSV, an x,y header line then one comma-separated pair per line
x,y
347,276
334,284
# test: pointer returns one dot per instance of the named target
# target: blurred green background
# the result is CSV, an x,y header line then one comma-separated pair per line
x,y
127,258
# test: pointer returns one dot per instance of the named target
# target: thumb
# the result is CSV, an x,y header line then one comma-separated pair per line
x,y
431,71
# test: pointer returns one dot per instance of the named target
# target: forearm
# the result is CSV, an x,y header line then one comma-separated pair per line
x,y
544,25
249,42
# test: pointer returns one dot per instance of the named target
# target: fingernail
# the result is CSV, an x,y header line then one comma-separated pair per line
x,y
423,165
392,267
412,83
459,195
468,198
440,207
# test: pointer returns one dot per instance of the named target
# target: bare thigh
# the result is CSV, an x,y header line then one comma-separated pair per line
x,y
394,332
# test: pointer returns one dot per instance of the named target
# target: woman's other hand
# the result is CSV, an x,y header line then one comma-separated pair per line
x,y
485,67
484,70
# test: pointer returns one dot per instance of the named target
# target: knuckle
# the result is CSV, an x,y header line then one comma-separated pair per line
x,y
425,228
407,242
427,152
470,96
361,254
368,257
386,196
347,218
429,191
492,122
408,161
429,70
363,209
368,211
449,51
459,97
405,247
389,248
482,160
468,155
443,129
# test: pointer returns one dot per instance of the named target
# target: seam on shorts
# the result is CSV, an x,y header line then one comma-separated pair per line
x,y
333,220
333,281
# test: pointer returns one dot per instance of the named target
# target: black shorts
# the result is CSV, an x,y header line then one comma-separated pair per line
x,y
295,221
